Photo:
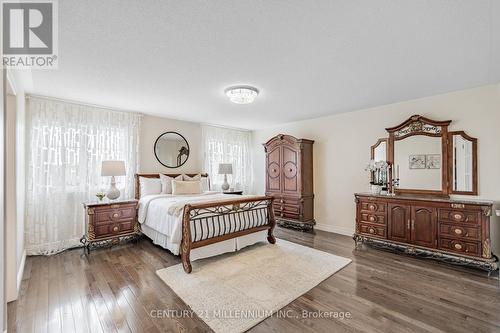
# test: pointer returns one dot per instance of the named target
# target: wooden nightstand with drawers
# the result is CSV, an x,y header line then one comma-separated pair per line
x,y
109,223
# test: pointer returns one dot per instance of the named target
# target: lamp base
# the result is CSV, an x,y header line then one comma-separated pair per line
x,y
225,185
113,192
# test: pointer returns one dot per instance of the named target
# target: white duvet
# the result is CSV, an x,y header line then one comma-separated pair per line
x,y
163,212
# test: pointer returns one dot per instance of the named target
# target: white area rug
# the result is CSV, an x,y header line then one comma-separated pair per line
x,y
234,292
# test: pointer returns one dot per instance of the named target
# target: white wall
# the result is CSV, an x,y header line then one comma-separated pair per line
x,y
3,314
152,127
10,201
15,182
343,141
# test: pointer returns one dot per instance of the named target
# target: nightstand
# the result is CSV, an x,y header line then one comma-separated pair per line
x,y
233,192
110,222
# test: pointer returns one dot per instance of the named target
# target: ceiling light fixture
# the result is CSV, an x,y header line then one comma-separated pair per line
x,y
242,94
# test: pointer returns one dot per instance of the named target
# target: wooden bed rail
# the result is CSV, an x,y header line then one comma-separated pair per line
x,y
224,220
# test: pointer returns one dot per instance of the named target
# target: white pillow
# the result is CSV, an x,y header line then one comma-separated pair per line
x,y
187,178
186,187
166,184
149,186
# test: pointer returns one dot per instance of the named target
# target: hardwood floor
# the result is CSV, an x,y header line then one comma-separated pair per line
x,y
115,290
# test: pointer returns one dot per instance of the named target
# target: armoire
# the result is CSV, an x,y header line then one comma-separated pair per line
x,y
289,179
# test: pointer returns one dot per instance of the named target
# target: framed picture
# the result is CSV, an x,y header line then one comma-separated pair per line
x,y
417,162
433,161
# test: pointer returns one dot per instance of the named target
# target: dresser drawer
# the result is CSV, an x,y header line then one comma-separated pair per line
x,y
373,207
372,230
459,231
104,216
111,229
287,207
459,216
460,246
373,218
288,212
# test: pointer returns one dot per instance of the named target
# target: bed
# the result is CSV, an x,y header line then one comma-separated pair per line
x,y
204,225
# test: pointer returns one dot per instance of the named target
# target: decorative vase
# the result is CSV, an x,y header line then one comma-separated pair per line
x,y
376,189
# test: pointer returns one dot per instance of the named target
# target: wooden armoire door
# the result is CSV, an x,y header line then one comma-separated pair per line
x,y
273,159
399,222
423,226
290,160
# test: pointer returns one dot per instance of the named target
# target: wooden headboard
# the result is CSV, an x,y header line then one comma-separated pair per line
x,y
157,175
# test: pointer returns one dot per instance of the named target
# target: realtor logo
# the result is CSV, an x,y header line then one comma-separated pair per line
x,y
29,35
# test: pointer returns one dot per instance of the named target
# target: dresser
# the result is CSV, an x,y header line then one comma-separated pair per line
x,y
289,179
455,231
110,222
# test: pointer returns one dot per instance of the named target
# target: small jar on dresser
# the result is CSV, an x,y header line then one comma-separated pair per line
x,y
108,223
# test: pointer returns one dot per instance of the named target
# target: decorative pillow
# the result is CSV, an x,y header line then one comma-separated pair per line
x,y
166,184
179,177
149,186
187,178
186,187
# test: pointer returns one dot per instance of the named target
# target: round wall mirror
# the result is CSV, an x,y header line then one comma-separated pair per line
x,y
171,149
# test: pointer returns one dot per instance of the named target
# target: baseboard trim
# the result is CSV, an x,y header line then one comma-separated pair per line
x,y
332,228
20,272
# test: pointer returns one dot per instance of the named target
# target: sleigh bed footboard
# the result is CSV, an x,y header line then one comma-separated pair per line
x,y
209,223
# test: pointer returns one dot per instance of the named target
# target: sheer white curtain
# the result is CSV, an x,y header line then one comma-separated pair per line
x,y
66,144
222,145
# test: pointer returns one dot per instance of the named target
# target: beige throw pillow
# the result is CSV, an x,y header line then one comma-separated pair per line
x,y
186,187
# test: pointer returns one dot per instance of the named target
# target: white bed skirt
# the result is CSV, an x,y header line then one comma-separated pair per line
x,y
230,245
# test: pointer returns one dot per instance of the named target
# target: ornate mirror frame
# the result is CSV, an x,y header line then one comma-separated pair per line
x,y
474,162
187,152
418,125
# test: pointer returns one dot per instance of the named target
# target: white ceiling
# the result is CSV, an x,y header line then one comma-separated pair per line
x,y
308,58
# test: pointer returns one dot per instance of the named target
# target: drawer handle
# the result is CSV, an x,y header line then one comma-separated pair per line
x,y
115,228
371,218
372,207
454,205
457,246
458,231
371,230
115,215
457,216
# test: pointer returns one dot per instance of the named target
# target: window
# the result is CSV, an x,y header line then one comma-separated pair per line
x,y
222,145
66,145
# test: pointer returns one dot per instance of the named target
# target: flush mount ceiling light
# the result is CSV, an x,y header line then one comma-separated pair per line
x,y
242,94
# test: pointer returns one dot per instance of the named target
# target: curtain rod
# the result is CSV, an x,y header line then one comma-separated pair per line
x,y
79,103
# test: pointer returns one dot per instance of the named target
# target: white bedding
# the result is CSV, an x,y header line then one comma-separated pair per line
x,y
162,213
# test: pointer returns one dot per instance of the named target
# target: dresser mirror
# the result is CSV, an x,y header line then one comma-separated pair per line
x,y
171,149
427,159
379,151
418,159
463,163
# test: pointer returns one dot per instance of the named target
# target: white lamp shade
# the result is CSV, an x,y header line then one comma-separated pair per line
x,y
113,168
225,169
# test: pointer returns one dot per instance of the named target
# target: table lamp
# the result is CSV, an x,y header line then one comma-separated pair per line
x,y
113,168
225,169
